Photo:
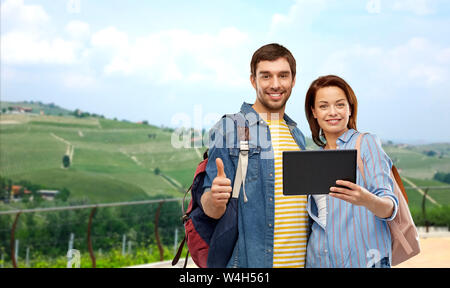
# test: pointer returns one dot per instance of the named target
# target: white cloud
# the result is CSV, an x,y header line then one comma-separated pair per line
x,y
25,38
164,56
300,14
109,38
443,56
414,61
176,54
78,29
28,48
17,13
419,7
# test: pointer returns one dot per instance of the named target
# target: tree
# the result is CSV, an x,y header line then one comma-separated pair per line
x,y
157,171
63,195
66,161
3,188
430,153
443,177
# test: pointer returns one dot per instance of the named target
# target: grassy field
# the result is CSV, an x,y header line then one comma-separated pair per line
x,y
112,160
116,160
414,163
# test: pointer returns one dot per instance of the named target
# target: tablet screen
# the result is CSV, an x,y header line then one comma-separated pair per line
x,y
314,172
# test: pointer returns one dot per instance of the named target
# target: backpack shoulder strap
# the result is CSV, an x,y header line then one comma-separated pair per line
x,y
393,169
243,138
358,157
399,183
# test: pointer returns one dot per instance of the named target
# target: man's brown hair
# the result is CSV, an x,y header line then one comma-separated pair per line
x,y
272,52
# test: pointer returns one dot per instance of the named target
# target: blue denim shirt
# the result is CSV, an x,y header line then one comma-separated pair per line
x,y
254,247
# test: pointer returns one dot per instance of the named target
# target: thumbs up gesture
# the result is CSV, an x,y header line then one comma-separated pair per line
x,y
214,202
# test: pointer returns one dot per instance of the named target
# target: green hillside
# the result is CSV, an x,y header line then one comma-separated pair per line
x,y
112,160
414,161
37,106
116,160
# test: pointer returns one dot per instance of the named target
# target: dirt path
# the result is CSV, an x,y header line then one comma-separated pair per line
x,y
70,149
421,191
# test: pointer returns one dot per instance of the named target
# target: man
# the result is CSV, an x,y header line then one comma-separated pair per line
x,y
273,228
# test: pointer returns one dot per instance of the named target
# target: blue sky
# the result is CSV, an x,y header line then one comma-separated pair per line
x,y
178,63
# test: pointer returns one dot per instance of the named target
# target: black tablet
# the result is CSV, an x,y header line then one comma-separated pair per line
x,y
314,172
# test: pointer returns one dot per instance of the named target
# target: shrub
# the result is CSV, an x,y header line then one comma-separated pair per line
x,y
66,161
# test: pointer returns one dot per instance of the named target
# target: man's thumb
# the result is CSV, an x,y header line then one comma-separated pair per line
x,y
220,168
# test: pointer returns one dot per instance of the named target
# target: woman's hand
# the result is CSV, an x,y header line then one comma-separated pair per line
x,y
360,196
354,193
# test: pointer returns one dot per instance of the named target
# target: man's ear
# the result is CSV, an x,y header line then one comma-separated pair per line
x,y
293,82
253,80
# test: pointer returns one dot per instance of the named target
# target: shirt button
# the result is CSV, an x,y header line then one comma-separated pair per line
x,y
270,224
326,251
269,250
270,174
270,199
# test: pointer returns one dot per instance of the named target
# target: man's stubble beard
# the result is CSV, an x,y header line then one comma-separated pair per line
x,y
274,106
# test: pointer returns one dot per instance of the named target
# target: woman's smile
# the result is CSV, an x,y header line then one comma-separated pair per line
x,y
333,122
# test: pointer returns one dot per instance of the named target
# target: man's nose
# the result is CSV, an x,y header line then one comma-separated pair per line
x,y
275,83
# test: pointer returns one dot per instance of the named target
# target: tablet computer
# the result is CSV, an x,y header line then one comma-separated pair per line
x,y
314,172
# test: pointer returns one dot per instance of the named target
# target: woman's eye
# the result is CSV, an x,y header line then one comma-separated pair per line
x,y
323,106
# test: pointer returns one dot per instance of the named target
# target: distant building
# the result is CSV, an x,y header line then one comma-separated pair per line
x,y
15,191
20,109
48,194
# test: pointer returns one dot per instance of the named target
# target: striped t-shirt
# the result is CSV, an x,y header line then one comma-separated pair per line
x,y
291,217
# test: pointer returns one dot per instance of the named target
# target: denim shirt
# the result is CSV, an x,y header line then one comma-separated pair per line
x,y
254,247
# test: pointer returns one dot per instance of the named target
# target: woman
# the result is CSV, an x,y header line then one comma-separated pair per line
x,y
350,224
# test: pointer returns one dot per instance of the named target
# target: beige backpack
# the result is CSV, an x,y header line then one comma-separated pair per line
x,y
404,236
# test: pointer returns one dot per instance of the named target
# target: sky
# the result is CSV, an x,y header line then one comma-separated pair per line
x,y
186,63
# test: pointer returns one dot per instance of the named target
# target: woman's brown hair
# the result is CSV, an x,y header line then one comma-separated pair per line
x,y
322,82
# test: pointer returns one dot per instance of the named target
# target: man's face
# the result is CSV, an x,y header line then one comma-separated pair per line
x,y
273,84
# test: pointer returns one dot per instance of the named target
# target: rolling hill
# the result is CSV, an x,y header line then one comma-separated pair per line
x,y
116,160
111,161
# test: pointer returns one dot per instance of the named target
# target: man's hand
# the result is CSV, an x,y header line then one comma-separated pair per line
x,y
215,201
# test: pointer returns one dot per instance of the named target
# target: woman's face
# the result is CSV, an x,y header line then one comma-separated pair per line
x,y
332,110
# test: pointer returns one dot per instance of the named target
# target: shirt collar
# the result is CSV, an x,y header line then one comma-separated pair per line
x,y
347,135
247,108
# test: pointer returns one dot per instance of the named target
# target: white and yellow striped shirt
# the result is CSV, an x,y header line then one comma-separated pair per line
x,y
291,217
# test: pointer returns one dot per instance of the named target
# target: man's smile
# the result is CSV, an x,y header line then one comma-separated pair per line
x,y
275,96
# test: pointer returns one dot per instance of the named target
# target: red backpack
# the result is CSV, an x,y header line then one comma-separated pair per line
x,y
198,243
210,242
